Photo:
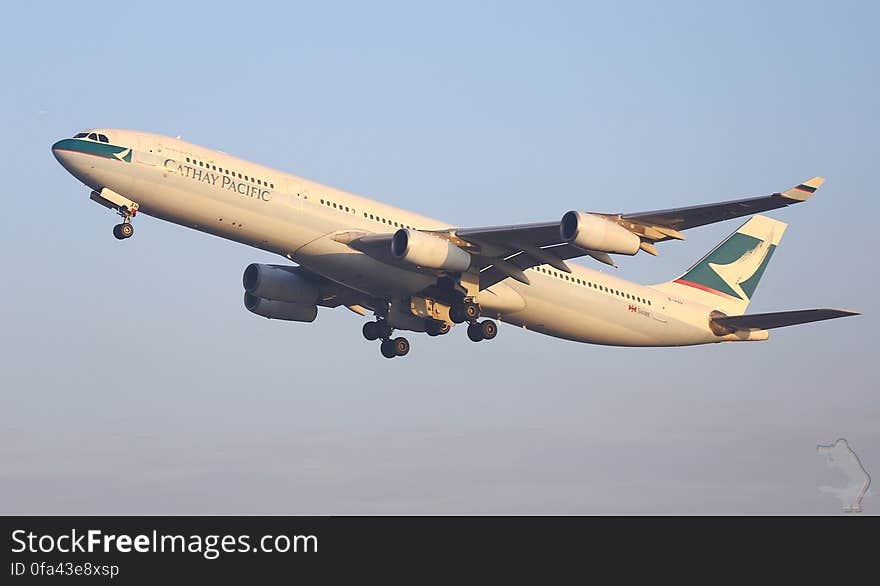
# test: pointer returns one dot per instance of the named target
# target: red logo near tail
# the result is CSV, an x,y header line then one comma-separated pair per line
x,y
633,308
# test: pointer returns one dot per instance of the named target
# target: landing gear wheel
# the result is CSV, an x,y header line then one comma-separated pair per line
x,y
385,329
475,332
489,329
471,311
387,349
371,331
123,231
436,328
401,346
456,314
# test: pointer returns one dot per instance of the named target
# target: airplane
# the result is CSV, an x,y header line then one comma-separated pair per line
x,y
419,274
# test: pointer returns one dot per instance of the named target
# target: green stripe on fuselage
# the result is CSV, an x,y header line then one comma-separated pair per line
x,y
97,149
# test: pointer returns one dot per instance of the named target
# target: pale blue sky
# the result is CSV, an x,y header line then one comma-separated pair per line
x,y
135,381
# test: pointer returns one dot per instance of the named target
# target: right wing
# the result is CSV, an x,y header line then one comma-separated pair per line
x,y
779,319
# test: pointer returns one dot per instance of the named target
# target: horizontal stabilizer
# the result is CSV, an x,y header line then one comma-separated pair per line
x,y
779,319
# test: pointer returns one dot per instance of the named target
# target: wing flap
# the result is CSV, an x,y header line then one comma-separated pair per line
x,y
779,319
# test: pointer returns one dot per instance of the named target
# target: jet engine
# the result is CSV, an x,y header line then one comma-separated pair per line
x,y
592,232
279,283
424,250
280,309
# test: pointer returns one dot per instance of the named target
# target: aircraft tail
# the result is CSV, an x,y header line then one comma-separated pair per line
x,y
726,278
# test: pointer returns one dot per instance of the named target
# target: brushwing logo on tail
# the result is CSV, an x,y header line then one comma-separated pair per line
x,y
734,268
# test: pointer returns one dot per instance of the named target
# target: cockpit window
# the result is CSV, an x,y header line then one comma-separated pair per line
x,y
93,136
103,138
81,135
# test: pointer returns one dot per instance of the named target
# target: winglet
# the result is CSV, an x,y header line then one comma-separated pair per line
x,y
803,191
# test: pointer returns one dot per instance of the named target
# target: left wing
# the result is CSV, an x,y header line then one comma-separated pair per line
x,y
499,252
506,251
693,216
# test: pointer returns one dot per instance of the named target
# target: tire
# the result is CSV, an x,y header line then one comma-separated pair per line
x,y
117,233
456,314
471,311
371,330
475,332
126,229
489,329
401,346
436,328
385,330
387,349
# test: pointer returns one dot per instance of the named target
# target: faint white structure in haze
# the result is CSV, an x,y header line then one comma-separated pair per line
x,y
840,455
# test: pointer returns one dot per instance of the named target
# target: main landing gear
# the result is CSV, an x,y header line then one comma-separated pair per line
x,y
394,348
483,330
373,330
469,312
125,229
436,328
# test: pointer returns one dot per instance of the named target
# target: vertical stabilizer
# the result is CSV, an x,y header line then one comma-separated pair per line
x,y
726,278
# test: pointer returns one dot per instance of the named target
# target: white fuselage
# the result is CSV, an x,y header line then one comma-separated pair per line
x,y
214,192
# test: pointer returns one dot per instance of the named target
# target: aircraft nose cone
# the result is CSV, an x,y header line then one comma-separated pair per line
x,y
59,152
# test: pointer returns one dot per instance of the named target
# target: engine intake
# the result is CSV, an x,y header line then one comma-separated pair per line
x,y
424,250
592,232
279,283
280,309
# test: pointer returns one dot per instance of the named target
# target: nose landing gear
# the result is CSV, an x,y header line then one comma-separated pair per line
x,y
125,229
